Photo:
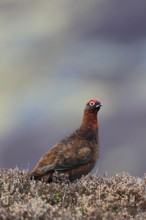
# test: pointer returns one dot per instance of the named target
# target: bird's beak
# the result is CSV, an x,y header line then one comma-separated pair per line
x,y
98,106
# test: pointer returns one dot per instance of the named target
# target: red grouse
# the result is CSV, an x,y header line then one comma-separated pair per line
x,y
76,154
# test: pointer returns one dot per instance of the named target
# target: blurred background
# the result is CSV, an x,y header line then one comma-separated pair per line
x,y
54,57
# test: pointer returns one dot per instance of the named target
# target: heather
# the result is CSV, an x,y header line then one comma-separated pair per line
x,y
92,197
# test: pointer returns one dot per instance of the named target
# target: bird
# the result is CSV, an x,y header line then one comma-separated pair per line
x,y
76,154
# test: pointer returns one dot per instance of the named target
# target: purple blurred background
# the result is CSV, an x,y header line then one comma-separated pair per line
x,y
54,57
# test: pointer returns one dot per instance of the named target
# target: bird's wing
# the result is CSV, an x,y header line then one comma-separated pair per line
x,y
74,158
69,157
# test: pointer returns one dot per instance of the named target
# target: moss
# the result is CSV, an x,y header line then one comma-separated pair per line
x,y
57,197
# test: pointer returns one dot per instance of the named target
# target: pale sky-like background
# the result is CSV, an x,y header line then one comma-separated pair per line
x,y
56,55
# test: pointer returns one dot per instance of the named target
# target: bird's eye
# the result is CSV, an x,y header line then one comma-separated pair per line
x,y
92,103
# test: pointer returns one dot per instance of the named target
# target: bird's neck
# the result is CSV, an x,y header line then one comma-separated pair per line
x,y
89,121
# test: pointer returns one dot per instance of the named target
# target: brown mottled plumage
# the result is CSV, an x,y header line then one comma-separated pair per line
x,y
75,155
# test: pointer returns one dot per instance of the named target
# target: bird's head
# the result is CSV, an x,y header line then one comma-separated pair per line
x,y
93,105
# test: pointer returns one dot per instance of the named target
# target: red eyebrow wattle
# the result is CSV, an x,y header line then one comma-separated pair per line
x,y
92,100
